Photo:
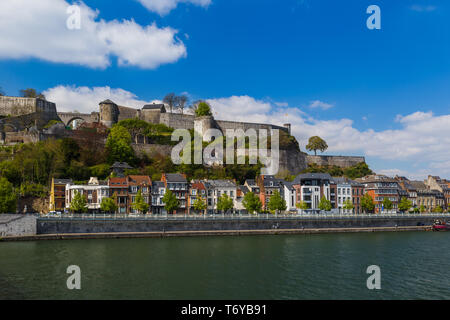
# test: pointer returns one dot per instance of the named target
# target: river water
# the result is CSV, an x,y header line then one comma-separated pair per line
x,y
414,265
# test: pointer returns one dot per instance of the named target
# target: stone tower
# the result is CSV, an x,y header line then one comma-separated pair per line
x,y
109,113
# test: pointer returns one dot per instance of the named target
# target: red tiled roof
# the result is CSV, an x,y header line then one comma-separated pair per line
x,y
198,185
118,181
139,180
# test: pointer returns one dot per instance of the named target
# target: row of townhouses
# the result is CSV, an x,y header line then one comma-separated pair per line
x,y
308,188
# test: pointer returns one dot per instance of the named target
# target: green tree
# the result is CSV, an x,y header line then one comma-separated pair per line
x,y
139,203
276,202
31,93
252,203
367,203
199,204
302,205
108,205
203,109
404,204
316,143
325,204
118,145
422,208
438,209
348,205
225,203
78,204
171,202
387,204
8,199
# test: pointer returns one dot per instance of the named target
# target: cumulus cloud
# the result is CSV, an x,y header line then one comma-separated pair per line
x,y
320,104
85,99
38,29
163,7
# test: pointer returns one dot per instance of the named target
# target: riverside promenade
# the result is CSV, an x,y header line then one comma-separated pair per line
x,y
84,226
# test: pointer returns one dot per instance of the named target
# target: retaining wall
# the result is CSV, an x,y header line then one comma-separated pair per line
x,y
55,226
17,225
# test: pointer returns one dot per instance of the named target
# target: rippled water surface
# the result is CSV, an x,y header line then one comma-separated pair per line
x,y
414,265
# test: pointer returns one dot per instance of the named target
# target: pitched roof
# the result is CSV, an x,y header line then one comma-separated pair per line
x,y
107,101
309,176
121,165
221,183
418,185
175,177
198,185
288,184
139,180
154,106
118,181
244,189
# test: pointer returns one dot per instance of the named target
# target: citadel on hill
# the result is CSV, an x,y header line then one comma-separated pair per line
x,y
25,120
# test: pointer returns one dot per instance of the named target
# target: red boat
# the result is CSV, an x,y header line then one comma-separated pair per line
x,y
439,225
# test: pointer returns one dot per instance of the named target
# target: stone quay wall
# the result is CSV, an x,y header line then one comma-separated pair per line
x,y
17,225
99,225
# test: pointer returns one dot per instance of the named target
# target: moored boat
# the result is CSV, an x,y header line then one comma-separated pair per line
x,y
440,225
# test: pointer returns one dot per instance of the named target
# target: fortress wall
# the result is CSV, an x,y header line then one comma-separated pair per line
x,y
15,106
18,106
127,113
177,120
22,122
233,125
340,161
152,116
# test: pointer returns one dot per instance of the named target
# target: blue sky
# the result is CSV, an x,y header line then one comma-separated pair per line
x,y
380,93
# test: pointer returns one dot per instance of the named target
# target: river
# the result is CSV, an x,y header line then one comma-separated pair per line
x,y
414,265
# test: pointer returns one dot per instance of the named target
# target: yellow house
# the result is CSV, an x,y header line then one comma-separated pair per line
x,y
58,194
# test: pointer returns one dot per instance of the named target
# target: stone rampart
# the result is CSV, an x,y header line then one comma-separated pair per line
x,y
339,161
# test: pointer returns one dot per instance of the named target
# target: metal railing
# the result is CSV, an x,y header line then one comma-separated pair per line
x,y
231,216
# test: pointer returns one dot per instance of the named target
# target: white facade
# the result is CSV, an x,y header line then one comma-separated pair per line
x,y
93,191
311,196
289,196
344,193
215,188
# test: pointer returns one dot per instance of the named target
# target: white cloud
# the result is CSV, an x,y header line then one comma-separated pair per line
x,y
163,7
85,99
422,8
37,29
320,104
